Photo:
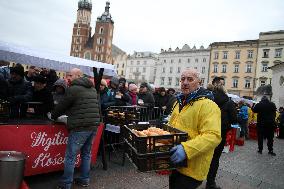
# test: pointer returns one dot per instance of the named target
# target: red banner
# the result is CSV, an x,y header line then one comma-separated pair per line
x,y
44,145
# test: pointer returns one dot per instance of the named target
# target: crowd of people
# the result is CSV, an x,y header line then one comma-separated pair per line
x,y
205,114
38,90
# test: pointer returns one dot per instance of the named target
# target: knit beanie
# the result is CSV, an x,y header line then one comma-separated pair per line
x,y
114,81
19,70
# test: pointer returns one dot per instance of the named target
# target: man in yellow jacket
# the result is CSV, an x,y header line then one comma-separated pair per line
x,y
196,114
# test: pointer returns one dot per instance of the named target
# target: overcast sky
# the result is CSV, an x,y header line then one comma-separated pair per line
x,y
141,25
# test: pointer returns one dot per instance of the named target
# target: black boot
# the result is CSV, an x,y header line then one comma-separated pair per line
x,y
272,153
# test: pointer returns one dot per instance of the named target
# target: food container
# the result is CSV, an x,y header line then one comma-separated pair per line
x,y
150,153
149,161
150,144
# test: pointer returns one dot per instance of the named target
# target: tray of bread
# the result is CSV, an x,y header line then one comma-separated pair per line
x,y
149,138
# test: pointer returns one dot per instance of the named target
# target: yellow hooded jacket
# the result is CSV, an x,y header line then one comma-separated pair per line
x,y
202,121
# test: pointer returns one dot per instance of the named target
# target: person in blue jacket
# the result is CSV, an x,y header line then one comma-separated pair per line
x,y
243,119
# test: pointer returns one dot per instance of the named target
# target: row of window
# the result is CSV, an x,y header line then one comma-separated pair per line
x,y
101,30
179,69
237,54
248,68
142,77
235,83
138,62
188,60
177,81
277,53
117,66
248,83
138,70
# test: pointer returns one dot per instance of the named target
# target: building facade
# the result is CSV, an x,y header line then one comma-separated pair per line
x,y
270,53
141,67
278,84
236,63
172,62
119,60
97,46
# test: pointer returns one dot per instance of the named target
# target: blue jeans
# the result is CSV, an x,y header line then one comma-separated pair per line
x,y
244,127
77,141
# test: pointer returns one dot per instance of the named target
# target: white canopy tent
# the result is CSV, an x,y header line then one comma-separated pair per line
x,y
24,55
237,99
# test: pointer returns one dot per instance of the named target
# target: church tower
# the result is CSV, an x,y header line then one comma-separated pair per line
x,y
81,29
102,42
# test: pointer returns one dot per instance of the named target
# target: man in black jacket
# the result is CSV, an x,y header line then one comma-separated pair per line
x,y
81,106
20,91
228,117
266,112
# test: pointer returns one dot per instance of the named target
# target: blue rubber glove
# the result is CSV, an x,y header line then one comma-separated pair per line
x,y
178,154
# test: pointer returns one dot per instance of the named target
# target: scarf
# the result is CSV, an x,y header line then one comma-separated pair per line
x,y
133,98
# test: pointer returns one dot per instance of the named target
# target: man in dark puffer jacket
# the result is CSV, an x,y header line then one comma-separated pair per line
x,y
81,105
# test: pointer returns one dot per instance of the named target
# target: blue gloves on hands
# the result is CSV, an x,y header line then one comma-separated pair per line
x,y
178,154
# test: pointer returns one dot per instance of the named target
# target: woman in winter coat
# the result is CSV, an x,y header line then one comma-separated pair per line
x,y
132,92
59,88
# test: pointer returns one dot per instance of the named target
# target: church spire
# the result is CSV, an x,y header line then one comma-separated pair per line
x,y
106,16
85,4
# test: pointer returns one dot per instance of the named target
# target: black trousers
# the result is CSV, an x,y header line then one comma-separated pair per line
x,y
180,181
268,133
281,131
215,162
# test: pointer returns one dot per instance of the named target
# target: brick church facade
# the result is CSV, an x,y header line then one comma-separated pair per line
x,y
98,46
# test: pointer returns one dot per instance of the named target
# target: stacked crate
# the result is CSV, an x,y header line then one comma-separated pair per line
x,y
152,152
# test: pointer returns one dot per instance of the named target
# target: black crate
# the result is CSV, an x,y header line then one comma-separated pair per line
x,y
150,161
4,111
121,115
152,144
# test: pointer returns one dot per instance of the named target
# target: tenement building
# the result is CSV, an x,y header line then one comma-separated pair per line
x,y
172,62
119,60
141,67
270,53
97,46
236,62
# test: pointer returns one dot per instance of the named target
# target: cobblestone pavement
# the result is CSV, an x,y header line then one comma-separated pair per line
x,y
242,169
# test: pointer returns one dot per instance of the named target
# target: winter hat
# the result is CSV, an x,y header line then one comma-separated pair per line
x,y
142,85
162,89
104,82
122,80
40,79
19,70
132,87
60,82
114,80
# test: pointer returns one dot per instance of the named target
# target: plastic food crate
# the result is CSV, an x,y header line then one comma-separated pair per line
x,y
121,115
150,161
153,144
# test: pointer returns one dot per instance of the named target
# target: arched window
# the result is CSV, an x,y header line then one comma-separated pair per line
x,y
101,30
100,41
87,55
